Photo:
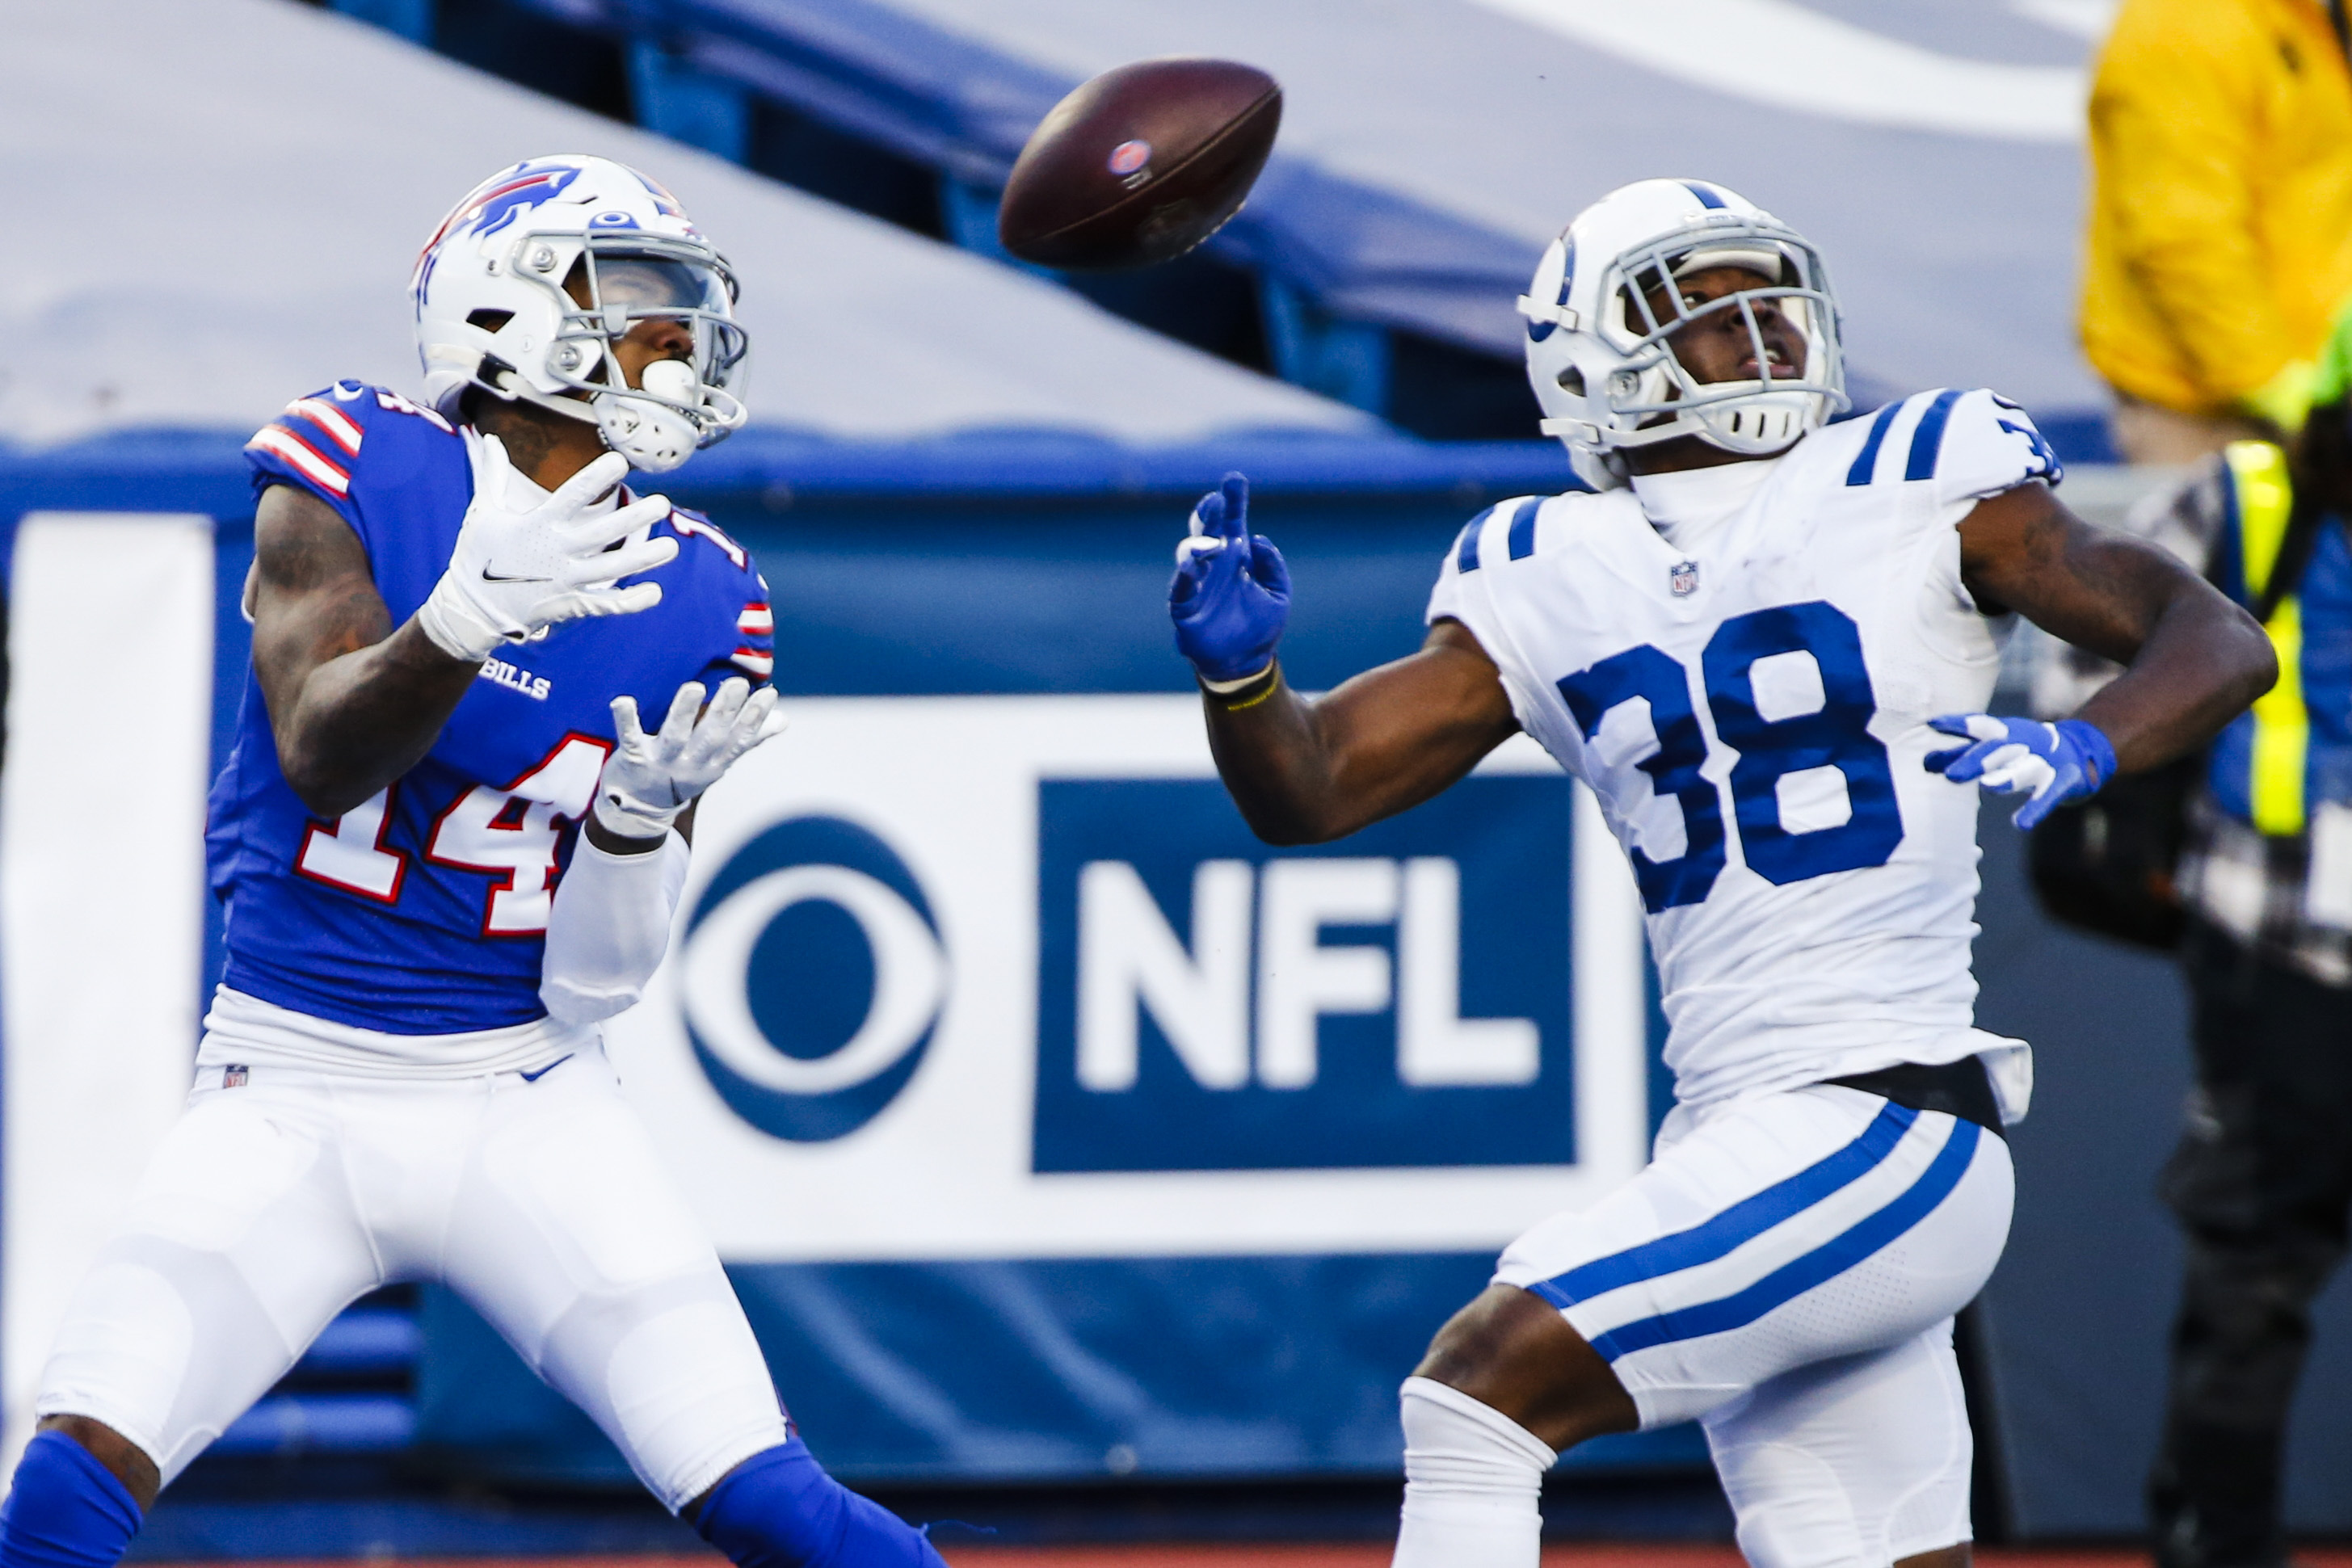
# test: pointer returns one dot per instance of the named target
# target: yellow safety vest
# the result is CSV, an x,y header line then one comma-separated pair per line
x,y
2266,497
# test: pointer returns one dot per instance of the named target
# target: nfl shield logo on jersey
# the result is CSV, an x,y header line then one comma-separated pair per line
x,y
1682,578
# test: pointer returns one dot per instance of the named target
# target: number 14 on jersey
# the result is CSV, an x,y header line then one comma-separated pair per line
x,y
511,832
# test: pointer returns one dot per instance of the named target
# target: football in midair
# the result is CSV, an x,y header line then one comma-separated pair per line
x,y
1139,164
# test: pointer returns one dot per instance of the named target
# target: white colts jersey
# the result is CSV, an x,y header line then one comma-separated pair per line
x,y
1747,694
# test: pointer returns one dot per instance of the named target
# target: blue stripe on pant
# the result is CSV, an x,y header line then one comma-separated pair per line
x,y
1739,1224
1823,1263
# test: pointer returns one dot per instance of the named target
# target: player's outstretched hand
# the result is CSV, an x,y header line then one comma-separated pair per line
x,y
2049,763
650,778
518,572
1230,597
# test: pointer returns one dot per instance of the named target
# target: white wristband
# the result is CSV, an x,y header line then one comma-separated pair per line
x,y
631,818
454,626
1221,688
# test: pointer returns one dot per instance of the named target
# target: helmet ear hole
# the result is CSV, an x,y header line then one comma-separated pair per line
x,y
488,320
1572,382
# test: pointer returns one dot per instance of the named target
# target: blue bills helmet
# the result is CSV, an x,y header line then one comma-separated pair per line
x,y
1603,308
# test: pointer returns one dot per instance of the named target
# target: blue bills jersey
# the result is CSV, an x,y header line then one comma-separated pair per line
x,y
424,910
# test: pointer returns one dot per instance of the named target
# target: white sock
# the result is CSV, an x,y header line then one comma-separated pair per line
x,y
1472,1479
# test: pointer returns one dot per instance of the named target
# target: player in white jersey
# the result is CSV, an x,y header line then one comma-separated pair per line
x,y
1759,641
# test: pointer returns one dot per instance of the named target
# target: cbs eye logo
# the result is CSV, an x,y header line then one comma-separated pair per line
x,y
813,977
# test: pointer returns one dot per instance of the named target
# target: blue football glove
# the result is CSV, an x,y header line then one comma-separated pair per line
x,y
1231,596
2052,763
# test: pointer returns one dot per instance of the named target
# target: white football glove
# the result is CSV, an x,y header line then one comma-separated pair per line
x,y
650,778
515,574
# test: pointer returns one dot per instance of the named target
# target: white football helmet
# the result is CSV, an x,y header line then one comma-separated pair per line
x,y
1598,355
492,308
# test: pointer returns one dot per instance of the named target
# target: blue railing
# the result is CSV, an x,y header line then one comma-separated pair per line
x,y
372,1344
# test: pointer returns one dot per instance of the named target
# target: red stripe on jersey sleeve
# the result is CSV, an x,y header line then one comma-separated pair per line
x,y
338,425
305,459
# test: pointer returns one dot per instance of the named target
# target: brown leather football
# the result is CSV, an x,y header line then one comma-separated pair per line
x,y
1139,164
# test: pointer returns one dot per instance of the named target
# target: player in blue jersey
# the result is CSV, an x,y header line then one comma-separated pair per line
x,y
447,846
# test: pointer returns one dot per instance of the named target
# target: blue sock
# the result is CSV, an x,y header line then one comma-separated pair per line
x,y
65,1510
780,1510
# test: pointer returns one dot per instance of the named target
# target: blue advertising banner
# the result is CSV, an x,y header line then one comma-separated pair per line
x,y
1004,978
1146,1057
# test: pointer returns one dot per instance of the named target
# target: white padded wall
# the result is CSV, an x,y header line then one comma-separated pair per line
x,y
101,894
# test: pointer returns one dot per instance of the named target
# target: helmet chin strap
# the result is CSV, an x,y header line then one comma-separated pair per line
x,y
654,438
502,381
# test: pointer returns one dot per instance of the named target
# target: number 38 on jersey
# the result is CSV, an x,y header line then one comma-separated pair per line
x,y
1786,694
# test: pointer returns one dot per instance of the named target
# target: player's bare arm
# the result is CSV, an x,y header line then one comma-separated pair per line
x,y
1306,772
2195,658
354,701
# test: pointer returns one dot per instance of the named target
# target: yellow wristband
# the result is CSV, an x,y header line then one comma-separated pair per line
x,y
1233,696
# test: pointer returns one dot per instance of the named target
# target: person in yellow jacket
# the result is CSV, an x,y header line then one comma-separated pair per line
x,y
2262,1180
2221,230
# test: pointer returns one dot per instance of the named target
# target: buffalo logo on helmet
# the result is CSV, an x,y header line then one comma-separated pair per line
x,y
518,192
494,204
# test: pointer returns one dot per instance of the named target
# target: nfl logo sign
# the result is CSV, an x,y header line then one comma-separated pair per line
x,y
1682,578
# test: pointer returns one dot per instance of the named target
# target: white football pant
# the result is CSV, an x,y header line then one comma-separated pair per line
x,y
274,1203
1785,1272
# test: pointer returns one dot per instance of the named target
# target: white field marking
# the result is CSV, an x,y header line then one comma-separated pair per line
x,y
2086,19
1779,53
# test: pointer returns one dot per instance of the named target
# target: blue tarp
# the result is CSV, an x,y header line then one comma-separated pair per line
x,y
1431,148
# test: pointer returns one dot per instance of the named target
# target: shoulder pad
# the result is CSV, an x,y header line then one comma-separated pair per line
x,y
317,440
736,585
1964,442
1506,532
